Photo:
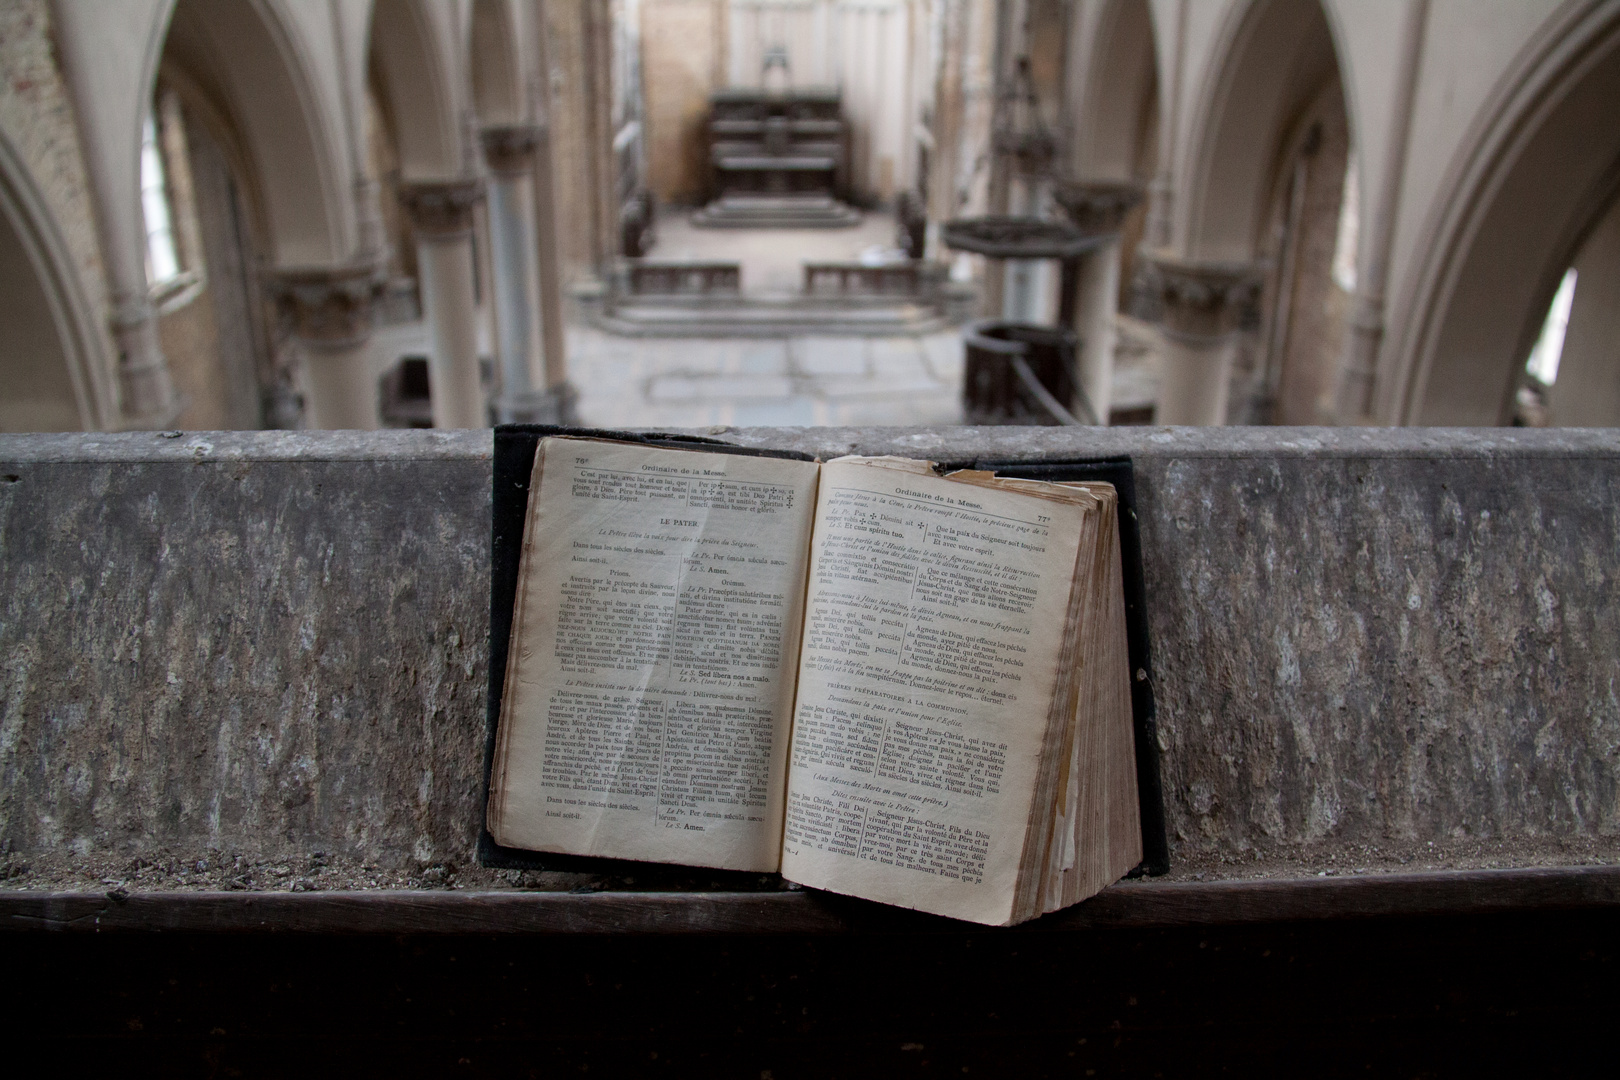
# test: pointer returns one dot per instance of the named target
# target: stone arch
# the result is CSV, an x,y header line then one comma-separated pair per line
x,y
52,362
413,65
1116,133
1264,184
494,64
1119,102
1529,184
1275,58
1303,310
246,60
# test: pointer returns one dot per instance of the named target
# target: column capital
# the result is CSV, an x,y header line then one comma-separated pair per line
x,y
329,307
509,148
1097,206
442,209
1202,298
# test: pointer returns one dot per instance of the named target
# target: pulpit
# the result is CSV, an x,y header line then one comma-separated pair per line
x,y
1018,373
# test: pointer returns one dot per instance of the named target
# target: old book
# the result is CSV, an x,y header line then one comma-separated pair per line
x,y
873,678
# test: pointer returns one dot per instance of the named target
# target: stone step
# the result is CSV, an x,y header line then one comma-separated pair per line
x,y
777,212
760,317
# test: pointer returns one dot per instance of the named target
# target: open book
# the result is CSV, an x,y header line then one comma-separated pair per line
x,y
874,679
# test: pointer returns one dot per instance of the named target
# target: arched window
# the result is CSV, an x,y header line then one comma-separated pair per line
x,y
1549,347
174,266
162,256
1349,234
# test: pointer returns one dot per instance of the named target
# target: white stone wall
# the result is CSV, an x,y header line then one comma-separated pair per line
x,y
1488,77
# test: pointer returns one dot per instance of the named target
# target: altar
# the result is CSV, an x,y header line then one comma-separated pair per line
x,y
777,159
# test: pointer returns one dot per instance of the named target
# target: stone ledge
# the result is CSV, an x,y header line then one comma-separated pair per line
x,y
1038,443
953,443
276,643
1127,905
133,447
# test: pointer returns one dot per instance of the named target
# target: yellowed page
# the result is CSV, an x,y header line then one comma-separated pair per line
x,y
932,631
650,686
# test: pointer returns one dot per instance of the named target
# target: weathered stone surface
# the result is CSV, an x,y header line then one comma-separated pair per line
x,y
1364,641
273,644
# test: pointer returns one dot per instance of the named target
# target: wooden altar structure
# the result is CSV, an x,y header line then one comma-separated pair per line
x,y
777,159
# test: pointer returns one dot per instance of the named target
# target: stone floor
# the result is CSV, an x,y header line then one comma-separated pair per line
x,y
703,382
792,381
776,382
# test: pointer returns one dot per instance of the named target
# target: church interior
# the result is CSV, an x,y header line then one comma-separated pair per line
x,y
1330,287
691,213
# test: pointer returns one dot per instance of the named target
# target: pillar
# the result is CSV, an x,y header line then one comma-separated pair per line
x,y
442,216
1021,290
330,311
553,342
1353,397
1098,209
510,154
1202,301
146,390
547,247
1096,297
100,67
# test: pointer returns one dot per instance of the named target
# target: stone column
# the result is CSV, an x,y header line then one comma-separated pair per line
x,y
510,153
1354,396
1098,209
1202,301
330,310
548,253
553,341
442,215
101,65
146,389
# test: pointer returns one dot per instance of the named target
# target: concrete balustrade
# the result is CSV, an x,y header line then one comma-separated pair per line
x,y
1365,642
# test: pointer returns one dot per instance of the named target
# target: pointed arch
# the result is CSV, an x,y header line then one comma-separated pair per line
x,y
413,61
52,361
1119,101
1275,57
1531,180
494,63
248,58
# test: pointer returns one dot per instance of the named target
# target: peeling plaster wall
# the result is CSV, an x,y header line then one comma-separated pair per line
x,y
37,118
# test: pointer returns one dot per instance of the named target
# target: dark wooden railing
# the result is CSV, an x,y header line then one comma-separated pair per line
x,y
683,278
860,279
